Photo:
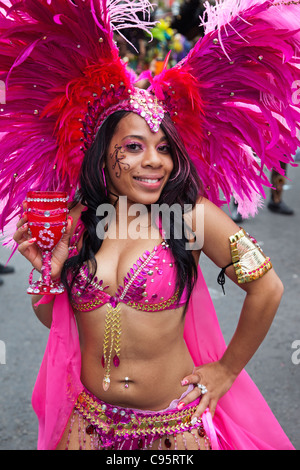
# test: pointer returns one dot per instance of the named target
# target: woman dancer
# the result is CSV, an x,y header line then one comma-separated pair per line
x,y
135,358
156,371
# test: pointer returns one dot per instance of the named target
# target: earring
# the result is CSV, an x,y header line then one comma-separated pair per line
x,y
104,181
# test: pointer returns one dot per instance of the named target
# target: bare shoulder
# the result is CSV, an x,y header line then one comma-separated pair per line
x,y
216,221
216,228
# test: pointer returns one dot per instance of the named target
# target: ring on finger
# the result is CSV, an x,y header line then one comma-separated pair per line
x,y
202,388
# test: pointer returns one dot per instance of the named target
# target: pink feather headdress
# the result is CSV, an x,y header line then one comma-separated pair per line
x,y
231,98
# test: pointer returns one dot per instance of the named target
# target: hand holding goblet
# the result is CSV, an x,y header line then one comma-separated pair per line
x,y
47,250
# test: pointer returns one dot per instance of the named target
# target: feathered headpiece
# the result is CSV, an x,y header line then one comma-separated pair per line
x,y
231,97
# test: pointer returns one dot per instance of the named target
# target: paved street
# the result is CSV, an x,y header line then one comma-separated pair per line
x,y
272,368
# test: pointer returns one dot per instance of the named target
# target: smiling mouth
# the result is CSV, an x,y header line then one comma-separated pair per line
x,y
148,180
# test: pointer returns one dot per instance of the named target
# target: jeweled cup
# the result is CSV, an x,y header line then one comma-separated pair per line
x,y
47,213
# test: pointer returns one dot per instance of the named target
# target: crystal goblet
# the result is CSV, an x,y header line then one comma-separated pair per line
x,y
47,219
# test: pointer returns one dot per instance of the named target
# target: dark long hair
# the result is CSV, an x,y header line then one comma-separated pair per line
x,y
183,187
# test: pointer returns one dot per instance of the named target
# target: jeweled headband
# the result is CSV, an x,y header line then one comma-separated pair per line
x,y
141,102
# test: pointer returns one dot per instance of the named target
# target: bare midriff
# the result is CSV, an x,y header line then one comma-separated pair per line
x,y
153,357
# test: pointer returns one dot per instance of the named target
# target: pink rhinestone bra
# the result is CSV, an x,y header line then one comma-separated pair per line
x,y
149,285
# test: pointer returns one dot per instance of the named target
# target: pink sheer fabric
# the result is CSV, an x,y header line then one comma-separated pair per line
x,y
58,383
243,420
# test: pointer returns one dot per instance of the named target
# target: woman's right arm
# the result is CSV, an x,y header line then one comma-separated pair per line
x,y
30,250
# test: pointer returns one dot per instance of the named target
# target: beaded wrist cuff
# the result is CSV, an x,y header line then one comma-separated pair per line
x,y
249,262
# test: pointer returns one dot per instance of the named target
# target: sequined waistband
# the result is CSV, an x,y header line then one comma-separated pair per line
x,y
116,424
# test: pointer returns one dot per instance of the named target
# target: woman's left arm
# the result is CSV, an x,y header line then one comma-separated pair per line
x,y
262,299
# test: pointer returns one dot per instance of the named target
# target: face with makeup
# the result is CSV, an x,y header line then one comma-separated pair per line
x,y
138,162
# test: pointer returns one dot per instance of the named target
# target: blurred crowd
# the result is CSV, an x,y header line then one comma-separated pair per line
x,y
177,29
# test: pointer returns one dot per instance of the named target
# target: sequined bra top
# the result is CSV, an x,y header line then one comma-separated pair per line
x,y
149,284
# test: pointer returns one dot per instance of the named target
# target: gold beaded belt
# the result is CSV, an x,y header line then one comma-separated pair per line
x,y
133,429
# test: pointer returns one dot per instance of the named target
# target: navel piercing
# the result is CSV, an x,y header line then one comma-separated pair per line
x,y
126,382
